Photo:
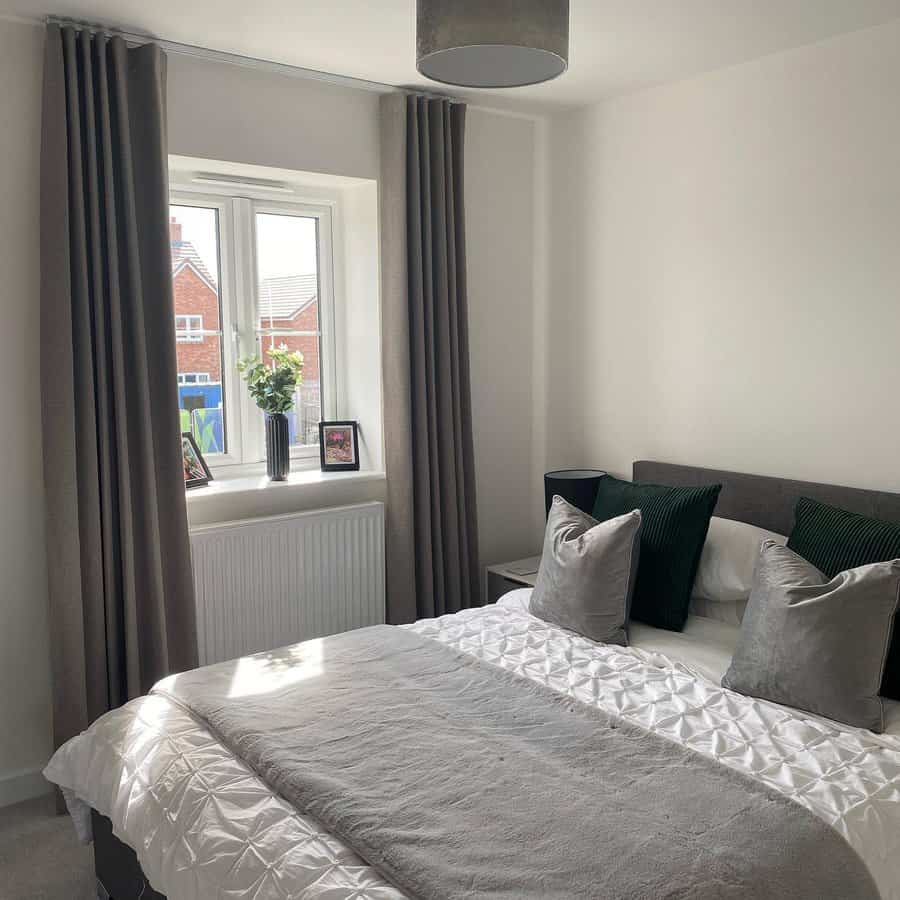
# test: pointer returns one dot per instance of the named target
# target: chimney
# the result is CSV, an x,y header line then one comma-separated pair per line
x,y
174,230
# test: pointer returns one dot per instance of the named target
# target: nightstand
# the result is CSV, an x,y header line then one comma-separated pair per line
x,y
506,577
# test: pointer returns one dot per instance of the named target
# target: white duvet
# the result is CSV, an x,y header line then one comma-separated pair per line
x,y
204,826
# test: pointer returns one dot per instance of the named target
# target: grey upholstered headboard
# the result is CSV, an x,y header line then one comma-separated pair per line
x,y
768,502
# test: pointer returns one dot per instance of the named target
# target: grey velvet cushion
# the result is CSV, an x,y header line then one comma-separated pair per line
x,y
816,643
586,577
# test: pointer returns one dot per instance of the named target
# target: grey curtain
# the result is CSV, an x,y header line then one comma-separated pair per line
x,y
121,593
432,534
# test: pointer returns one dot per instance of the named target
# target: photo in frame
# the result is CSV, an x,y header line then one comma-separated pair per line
x,y
196,472
339,446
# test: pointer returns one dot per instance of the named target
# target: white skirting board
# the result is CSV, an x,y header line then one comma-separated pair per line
x,y
24,784
264,583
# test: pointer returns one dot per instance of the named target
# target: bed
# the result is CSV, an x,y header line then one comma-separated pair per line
x,y
175,812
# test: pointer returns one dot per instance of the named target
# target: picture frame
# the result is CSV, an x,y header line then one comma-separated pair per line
x,y
196,471
339,446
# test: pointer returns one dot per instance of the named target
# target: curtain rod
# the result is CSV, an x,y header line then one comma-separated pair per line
x,y
248,62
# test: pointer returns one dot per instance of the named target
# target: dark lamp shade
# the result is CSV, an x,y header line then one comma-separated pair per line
x,y
575,486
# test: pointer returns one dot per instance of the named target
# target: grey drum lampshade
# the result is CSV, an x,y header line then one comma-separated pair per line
x,y
492,43
575,486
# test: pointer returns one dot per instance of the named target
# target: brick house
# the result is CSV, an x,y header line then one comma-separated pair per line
x,y
196,309
289,302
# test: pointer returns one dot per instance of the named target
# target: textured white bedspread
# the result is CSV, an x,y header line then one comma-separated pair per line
x,y
204,826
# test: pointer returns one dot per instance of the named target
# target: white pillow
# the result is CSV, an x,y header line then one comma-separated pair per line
x,y
731,612
725,573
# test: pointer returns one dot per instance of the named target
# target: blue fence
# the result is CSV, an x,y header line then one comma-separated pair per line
x,y
209,396
202,414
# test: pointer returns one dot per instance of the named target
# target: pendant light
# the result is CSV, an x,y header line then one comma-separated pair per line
x,y
492,43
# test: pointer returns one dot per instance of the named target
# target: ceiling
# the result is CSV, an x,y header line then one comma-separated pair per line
x,y
617,46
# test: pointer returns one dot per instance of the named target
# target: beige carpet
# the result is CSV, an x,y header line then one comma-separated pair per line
x,y
40,857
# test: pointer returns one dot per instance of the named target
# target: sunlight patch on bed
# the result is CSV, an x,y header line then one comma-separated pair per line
x,y
266,673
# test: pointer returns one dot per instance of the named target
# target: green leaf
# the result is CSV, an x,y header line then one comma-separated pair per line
x,y
272,386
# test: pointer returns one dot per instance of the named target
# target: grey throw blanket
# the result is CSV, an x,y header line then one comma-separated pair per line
x,y
456,779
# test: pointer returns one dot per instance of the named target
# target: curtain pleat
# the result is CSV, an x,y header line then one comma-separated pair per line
x,y
464,459
432,539
121,591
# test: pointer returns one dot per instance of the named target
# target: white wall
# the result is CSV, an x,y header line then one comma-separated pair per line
x,y
726,270
219,111
24,655
501,206
358,320
239,114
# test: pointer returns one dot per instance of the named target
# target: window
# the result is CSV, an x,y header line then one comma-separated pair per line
x,y
189,329
249,275
193,377
288,308
194,233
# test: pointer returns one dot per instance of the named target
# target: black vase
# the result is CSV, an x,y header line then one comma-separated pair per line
x,y
278,448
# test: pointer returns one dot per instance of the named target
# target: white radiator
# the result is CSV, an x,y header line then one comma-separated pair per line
x,y
264,583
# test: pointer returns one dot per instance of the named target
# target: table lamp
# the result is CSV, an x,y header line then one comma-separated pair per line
x,y
576,486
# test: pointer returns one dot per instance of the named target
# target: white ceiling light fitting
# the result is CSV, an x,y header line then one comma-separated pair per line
x,y
492,43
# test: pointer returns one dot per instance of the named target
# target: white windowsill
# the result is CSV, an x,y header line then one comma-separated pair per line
x,y
252,480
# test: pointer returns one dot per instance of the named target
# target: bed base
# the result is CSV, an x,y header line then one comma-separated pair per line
x,y
119,874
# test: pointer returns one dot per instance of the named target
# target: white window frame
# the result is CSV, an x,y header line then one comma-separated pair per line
x,y
191,333
244,423
183,376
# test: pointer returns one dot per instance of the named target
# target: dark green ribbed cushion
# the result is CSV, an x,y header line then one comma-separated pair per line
x,y
835,540
676,520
